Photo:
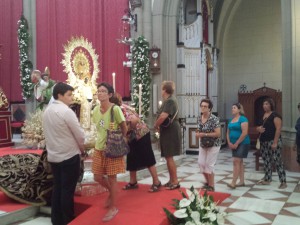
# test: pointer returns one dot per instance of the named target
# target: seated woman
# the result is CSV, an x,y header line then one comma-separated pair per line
x,y
26,178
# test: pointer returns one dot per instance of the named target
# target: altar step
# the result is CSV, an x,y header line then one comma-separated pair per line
x,y
13,213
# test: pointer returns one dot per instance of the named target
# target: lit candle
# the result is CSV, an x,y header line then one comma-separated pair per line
x,y
159,104
114,81
140,99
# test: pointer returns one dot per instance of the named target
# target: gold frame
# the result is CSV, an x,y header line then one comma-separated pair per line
x,y
193,141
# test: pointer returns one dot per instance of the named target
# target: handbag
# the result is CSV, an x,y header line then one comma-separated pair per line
x,y
257,146
115,144
169,120
207,142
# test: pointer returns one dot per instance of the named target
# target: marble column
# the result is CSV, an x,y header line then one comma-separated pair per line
x,y
290,10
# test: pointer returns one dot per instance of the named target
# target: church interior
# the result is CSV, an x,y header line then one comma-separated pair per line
x,y
229,51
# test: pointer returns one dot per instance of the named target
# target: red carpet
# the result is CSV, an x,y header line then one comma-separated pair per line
x,y
135,207
9,205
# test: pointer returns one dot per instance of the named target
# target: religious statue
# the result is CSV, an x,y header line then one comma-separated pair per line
x,y
81,65
3,100
43,87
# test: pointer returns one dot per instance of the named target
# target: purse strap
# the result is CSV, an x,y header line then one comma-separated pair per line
x,y
174,116
264,123
112,116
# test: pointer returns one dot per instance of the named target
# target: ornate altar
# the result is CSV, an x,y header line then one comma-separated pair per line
x,y
81,65
5,116
252,102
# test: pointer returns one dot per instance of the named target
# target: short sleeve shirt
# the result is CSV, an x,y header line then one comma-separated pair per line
x,y
102,122
209,126
235,130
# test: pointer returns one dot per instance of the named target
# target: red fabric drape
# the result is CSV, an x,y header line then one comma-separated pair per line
x,y
10,13
98,21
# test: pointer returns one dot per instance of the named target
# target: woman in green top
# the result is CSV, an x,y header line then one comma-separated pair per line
x,y
105,169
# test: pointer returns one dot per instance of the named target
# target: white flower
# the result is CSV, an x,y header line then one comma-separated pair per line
x,y
184,203
181,213
212,216
220,218
189,223
195,215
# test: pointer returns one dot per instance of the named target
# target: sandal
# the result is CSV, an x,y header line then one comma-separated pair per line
x,y
130,186
173,186
231,186
240,185
210,188
263,182
155,187
167,184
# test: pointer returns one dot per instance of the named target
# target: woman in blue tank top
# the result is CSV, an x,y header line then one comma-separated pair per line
x,y
239,142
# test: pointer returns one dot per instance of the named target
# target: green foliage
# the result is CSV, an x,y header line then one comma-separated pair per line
x,y
25,65
141,75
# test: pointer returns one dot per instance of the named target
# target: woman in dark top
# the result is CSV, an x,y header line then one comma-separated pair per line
x,y
271,143
170,137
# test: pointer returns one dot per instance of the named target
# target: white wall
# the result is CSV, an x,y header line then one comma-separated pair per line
x,y
252,49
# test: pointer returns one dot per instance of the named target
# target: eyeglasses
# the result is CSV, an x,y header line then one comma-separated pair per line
x,y
203,106
101,91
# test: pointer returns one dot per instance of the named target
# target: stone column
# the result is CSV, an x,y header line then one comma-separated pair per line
x,y
290,79
147,21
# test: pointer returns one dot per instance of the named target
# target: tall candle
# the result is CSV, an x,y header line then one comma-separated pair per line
x,y
114,81
140,99
154,98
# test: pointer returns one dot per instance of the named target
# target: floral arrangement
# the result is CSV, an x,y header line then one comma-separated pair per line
x,y
25,64
195,209
141,74
32,131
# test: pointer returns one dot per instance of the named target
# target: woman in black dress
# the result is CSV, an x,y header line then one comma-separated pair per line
x,y
271,143
141,154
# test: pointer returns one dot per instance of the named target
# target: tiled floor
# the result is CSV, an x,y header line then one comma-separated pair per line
x,y
252,204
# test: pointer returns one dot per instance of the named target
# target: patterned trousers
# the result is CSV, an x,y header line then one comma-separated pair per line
x,y
270,156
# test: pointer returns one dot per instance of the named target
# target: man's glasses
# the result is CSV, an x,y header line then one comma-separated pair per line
x,y
102,91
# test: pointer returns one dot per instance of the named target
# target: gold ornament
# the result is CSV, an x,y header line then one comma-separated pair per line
x,y
81,65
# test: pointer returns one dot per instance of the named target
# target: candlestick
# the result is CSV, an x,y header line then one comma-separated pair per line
x,y
140,99
114,81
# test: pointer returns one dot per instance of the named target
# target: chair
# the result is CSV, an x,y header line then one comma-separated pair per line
x,y
18,117
257,155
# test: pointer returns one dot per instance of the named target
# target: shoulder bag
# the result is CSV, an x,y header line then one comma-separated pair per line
x,y
169,120
207,142
115,144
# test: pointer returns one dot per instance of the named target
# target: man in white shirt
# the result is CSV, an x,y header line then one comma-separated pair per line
x,y
64,143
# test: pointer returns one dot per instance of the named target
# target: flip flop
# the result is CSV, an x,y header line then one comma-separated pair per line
x,y
110,215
